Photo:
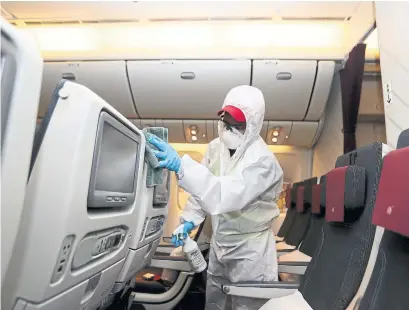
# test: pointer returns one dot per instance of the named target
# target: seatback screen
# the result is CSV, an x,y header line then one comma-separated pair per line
x,y
115,165
117,162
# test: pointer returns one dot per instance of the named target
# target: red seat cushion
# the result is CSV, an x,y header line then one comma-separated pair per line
x,y
335,194
345,190
300,199
392,200
316,199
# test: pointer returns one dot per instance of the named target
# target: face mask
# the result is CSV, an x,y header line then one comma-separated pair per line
x,y
231,138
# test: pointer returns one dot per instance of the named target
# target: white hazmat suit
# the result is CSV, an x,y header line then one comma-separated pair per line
x,y
240,193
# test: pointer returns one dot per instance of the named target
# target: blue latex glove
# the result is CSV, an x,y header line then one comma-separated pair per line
x,y
167,155
181,233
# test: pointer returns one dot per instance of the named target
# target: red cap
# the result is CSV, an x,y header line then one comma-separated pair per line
x,y
236,113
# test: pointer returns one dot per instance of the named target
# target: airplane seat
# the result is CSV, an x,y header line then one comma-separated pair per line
x,y
313,235
73,237
387,287
166,295
281,231
144,243
340,260
348,234
317,218
21,76
291,212
289,220
157,285
302,219
403,140
41,128
292,265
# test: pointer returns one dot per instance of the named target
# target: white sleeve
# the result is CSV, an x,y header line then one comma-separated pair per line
x,y
192,211
222,194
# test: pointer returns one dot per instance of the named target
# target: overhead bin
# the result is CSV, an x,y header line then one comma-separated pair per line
x,y
184,89
108,79
320,93
286,85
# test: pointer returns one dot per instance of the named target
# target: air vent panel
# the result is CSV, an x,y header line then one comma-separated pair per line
x,y
317,18
190,19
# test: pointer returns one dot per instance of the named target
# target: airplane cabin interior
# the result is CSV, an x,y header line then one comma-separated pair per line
x,y
86,220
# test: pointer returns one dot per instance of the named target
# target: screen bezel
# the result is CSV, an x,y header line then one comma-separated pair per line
x,y
98,198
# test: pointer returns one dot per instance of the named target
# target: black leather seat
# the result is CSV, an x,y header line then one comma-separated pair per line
x,y
313,234
291,212
302,220
388,286
157,285
338,265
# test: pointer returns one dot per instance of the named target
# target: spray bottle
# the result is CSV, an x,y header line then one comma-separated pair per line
x,y
194,255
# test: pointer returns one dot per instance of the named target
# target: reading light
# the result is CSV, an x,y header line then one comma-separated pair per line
x,y
194,138
274,140
193,130
275,133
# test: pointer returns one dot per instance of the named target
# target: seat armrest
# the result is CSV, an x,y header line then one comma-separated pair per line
x,y
279,239
167,239
282,252
262,290
204,246
166,249
292,267
181,285
178,263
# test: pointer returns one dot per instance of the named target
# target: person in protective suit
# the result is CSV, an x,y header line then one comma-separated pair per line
x,y
238,185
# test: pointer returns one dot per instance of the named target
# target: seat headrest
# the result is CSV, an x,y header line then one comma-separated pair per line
x,y
345,192
403,140
288,198
316,199
392,199
300,199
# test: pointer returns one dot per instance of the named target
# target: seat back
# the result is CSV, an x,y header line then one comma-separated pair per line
x,y
313,234
21,76
388,285
291,212
302,219
72,245
337,267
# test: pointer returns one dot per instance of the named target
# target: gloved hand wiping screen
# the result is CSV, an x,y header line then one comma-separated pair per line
x,y
167,155
154,174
